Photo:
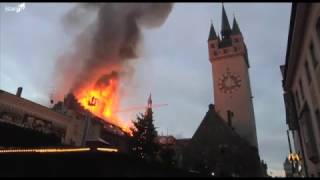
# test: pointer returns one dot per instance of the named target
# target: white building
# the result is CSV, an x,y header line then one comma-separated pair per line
x,y
301,84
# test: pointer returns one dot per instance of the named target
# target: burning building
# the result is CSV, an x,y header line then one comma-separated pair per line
x,y
97,131
94,69
20,114
66,124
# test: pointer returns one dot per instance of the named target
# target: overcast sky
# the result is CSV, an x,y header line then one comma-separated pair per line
x,y
174,66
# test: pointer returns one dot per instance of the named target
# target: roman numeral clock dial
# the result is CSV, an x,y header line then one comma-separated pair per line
x,y
229,82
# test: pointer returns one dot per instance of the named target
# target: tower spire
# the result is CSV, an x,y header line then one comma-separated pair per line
x,y
149,101
149,107
235,26
212,33
225,26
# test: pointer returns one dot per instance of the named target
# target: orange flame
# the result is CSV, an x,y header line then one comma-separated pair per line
x,y
103,101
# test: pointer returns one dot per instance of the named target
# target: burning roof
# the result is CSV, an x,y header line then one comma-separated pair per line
x,y
108,36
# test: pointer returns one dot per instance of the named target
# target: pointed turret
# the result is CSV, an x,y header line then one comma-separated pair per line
x,y
212,33
219,39
149,101
235,27
225,26
149,107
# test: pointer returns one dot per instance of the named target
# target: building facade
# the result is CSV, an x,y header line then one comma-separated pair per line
x,y
23,113
301,84
232,92
67,121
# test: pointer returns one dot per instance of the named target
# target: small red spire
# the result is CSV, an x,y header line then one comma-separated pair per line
x,y
149,101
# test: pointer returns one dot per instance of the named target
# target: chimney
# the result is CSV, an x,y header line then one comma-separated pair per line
x,y
211,107
230,116
19,91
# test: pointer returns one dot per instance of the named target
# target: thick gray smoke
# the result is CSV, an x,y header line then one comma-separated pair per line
x,y
108,35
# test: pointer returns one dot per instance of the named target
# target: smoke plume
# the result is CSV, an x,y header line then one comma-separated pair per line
x,y
108,35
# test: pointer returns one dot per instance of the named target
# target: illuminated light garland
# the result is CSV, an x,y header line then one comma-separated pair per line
x,y
107,149
43,150
54,150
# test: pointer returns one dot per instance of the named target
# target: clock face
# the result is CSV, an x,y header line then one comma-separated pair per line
x,y
229,82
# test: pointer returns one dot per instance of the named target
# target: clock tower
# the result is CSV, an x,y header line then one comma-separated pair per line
x,y
232,92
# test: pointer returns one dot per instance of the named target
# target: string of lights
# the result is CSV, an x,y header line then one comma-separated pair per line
x,y
107,149
54,150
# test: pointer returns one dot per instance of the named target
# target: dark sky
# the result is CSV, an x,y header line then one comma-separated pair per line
x,y
174,66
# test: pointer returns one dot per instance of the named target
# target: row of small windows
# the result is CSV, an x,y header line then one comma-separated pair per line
x,y
213,45
226,51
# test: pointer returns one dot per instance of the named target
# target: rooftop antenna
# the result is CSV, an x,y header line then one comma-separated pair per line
x,y
51,98
52,89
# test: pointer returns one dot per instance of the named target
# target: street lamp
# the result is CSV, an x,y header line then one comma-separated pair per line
x,y
295,161
292,167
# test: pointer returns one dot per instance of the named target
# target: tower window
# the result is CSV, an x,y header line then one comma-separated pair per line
x,y
306,67
212,46
313,56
